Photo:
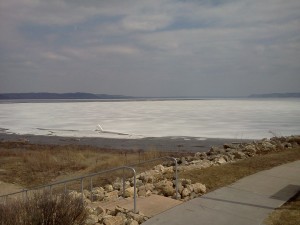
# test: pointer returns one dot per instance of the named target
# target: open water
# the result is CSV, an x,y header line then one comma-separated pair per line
x,y
208,118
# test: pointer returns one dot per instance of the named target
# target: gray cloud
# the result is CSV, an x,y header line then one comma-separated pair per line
x,y
150,48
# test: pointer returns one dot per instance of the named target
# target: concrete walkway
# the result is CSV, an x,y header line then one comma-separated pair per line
x,y
246,202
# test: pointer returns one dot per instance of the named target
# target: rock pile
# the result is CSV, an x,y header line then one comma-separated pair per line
x,y
155,181
118,216
237,151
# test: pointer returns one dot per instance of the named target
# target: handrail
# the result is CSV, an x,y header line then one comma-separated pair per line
x,y
130,167
81,179
157,159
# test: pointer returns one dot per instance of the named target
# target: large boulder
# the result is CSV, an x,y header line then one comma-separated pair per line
x,y
165,187
199,188
129,192
220,160
239,155
108,188
111,196
113,220
92,219
185,192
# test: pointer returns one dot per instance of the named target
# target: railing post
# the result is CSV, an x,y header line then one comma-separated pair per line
x,y
123,184
176,178
82,198
91,183
134,190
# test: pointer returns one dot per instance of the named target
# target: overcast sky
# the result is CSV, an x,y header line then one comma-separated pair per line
x,y
150,48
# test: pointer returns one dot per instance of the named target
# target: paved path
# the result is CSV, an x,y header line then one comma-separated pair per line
x,y
246,202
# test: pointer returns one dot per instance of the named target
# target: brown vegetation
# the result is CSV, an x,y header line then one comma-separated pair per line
x,y
43,209
32,164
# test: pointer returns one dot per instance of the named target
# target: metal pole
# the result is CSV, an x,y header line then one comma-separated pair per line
x,y
123,184
134,189
82,190
176,178
91,181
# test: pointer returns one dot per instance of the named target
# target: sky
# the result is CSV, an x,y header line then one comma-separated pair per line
x,y
150,48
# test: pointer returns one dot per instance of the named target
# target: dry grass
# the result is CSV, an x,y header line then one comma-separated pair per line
x,y
219,176
31,164
43,209
288,214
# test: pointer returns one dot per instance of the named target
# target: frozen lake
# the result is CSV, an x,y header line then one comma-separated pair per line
x,y
212,118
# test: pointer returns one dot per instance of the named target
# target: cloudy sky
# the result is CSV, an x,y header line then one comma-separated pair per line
x,y
150,48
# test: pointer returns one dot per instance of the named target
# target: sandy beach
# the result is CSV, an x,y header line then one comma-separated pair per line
x,y
185,144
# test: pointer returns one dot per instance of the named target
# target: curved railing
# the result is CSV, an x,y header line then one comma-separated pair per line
x,y
81,178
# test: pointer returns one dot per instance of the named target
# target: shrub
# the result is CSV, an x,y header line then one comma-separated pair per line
x,y
41,209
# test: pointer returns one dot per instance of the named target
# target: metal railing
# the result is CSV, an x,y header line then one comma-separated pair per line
x,y
81,178
159,159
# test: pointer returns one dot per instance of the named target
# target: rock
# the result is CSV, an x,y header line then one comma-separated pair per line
x,y
220,160
190,187
108,188
268,146
138,183
92,219
193,195
114,220
185,192
199,188
99,211
182,161
75,194
132,222
98,190
111,196
159,168
137,217
200,155
165,187
121,209
226,146
250,149
87,194
129,192
148,176
98,196
118,184
287,145
185,182
239,155
169,169
145,190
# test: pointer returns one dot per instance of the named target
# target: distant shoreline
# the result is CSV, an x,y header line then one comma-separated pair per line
x,y
172,144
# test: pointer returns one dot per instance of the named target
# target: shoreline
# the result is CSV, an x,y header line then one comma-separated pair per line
x,y
171,144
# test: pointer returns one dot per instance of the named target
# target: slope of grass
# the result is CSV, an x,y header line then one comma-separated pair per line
x,y
219,176
30,165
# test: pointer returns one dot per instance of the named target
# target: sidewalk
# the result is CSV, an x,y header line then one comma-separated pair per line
x,y
246,202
